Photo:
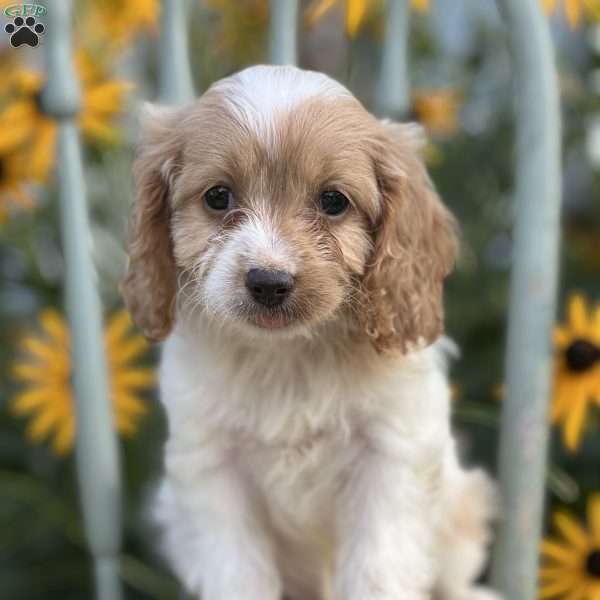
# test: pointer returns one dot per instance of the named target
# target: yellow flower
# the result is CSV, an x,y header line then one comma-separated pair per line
x,y
574,10
49,398
23,127
571,562
437,110
577,369
356,11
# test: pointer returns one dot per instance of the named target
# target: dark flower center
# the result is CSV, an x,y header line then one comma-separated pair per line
x,y
592,563
581,355
2,169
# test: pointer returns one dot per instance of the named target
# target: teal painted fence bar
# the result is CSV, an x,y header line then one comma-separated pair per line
x,y
175,78
97,458
393,90
524,428
283,32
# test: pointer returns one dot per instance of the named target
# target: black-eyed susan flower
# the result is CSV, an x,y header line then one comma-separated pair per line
x,y
356,11
574,10
571,560
45,370
577,369
25,128
438,110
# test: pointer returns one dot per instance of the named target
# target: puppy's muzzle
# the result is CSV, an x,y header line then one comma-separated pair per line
x,y
269,287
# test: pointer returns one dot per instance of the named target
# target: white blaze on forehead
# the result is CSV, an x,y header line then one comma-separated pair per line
x,y
262,246
258,95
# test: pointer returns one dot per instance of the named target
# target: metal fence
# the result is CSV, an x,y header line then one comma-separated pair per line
x,y
533,284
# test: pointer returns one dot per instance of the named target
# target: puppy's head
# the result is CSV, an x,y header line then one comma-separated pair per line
x,y
276,203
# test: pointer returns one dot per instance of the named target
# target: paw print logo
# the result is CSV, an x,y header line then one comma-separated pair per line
x,y
24,31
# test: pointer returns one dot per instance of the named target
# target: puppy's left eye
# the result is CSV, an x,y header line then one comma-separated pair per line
x,y
219,198
333,203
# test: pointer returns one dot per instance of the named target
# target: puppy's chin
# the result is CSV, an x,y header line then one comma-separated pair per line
x,y
252,323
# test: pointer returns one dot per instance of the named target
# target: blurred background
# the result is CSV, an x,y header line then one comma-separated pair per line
x,y
461,92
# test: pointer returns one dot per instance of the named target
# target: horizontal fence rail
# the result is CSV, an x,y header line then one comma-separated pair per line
x,y
97,458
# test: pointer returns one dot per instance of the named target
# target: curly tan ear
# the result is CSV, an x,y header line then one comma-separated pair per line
x,y
415,246
150,282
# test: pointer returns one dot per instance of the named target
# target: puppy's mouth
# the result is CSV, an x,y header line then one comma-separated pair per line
x,y
271,321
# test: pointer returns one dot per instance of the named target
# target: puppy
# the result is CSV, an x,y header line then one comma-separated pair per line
x,y
290,250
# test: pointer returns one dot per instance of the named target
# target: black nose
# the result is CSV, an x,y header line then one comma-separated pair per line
x,y
269,287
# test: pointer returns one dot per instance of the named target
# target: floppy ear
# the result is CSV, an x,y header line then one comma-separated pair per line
x,y
415,246
150,282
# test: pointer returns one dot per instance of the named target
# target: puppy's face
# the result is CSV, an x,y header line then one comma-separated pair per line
x,y
277,203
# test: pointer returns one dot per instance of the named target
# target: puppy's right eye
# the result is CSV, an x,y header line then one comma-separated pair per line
x,y
219,198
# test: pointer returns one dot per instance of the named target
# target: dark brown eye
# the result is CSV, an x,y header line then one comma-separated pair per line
x,y
333,203
219,198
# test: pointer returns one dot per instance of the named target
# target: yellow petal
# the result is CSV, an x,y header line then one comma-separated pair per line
x,y
596,324
571,530
128,405
121,353
574,424
134,378
65,436
125,425
556,588
43,152
41,425
106,98
578,592
560,553
118,325
55,326
594,517
557,572
573,12
30,373
577,312
562,337
38,348
355,15
26,402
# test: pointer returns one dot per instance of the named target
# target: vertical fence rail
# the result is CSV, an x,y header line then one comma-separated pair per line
x,y
175,79
97,458
393,96
283,32
524,430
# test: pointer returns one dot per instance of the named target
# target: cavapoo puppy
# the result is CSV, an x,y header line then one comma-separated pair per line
x,y
290,250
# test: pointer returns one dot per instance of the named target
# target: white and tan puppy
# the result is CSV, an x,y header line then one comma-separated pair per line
x,y
290,250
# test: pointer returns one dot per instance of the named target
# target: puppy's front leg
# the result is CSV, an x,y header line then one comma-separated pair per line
x,y
385,526
229,555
